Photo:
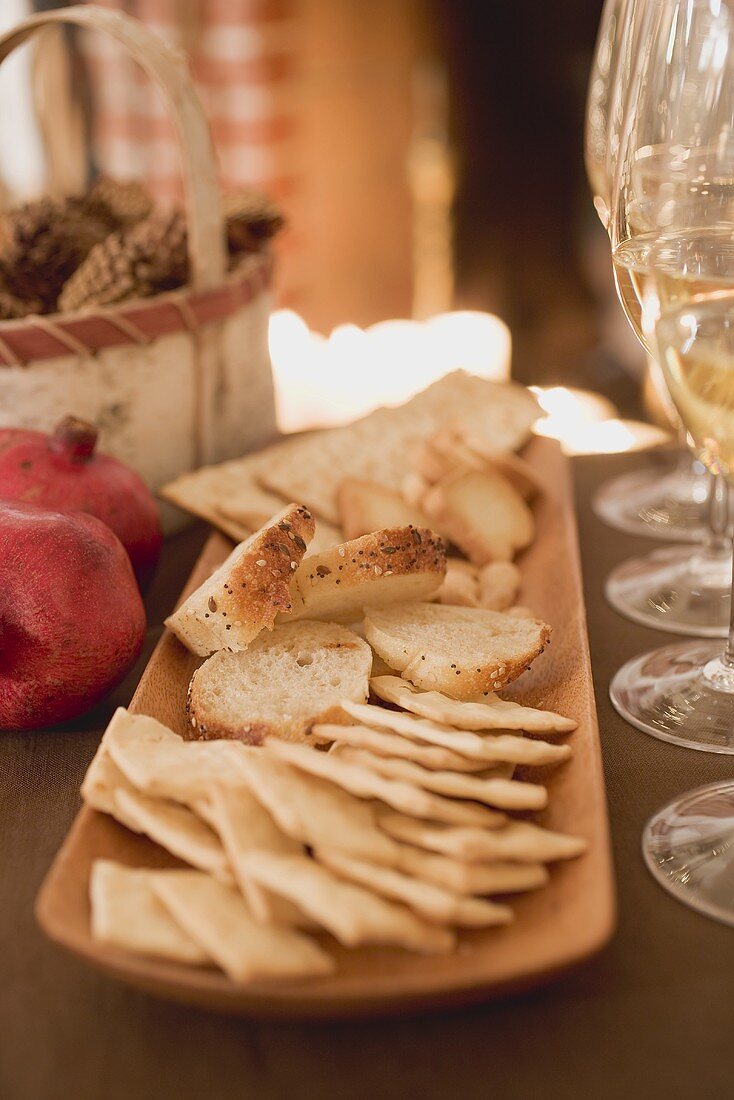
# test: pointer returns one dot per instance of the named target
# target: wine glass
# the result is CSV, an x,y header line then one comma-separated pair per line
x,y
672,589
668,504
675,176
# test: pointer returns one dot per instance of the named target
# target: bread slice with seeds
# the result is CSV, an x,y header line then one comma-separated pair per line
x,y
460,651
248,590
390,566
281,685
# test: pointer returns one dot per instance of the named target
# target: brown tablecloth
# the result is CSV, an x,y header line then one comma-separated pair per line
x,y
650,1017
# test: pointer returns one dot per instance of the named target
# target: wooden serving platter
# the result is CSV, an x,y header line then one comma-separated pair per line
x,y
555,928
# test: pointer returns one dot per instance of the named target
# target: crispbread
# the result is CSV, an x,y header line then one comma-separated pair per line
x,y
471,878
376,447
456,650
160,764
366,784
365,506
102,779
246,592
488,713
504,794
353,915
244,825
432,902
481,512
315,812
281,685
491,748
392,744
397,564
218,919
126,913
175,828
520,841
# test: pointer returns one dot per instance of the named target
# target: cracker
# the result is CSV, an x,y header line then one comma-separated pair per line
x,y
401,796
244,825
175,828
504,794
491,713
218,919
519,841
492,748
429,901
173,768
376,447
314,812
127,914
392,744
352,914
471,878
103,778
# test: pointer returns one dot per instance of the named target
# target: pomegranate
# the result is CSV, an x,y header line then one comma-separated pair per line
x,y
72,620
63,471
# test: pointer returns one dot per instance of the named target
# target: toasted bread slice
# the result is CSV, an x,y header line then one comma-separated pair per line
x,y
460,651
248,590
499,584
392,566
461,584
281,685
482,514
366,506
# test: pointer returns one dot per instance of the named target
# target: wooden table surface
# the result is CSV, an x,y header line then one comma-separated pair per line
x,y
650,1017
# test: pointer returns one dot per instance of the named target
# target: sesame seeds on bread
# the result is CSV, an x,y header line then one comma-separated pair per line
x,y
461,651
248,590
397,564
281,685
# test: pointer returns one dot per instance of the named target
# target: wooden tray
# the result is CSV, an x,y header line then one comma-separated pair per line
x,y
555,928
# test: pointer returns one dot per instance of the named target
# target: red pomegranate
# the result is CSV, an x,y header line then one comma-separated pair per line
x,y
64,472
72,620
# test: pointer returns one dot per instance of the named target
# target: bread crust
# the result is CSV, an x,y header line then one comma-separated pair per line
x,y
244,596
393,552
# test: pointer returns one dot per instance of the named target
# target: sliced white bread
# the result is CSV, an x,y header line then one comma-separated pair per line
x,y
281,685
396,565
248,590
482,514
460,651
366,506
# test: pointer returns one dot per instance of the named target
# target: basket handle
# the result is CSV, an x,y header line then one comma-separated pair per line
x,y
168,69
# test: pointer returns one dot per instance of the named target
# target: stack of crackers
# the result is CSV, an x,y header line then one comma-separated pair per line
x,y
349,770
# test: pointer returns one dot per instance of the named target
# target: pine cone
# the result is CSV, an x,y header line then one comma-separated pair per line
x,y
12,308
251,219
41,245
148,258
117,203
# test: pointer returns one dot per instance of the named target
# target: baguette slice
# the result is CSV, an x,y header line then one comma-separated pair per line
x,y
391,566
281,685
248,590
482,514
460,651
366,506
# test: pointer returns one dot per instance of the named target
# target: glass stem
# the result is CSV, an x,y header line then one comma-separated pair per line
x,y
717,538
719,673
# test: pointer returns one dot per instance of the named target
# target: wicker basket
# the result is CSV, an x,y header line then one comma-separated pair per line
x,y
173,381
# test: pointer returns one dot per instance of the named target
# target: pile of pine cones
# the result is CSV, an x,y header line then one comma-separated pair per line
x,y
108,246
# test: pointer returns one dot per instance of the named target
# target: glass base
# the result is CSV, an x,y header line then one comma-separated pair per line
x,y
674,590
688,847
662,505
681,693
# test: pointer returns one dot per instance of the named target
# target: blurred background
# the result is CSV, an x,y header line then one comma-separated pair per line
x,y
428,156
